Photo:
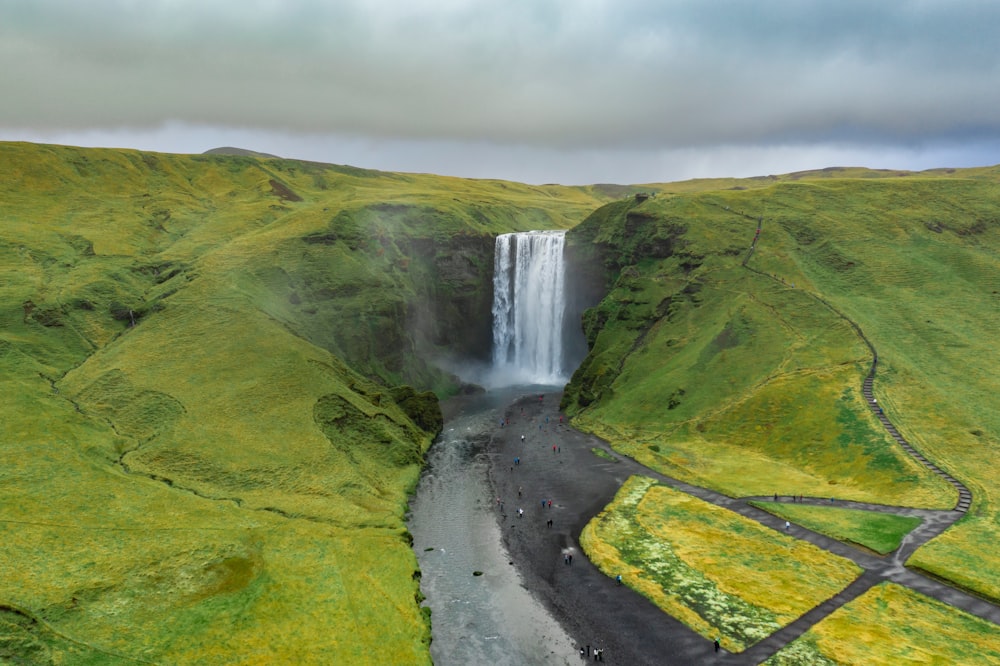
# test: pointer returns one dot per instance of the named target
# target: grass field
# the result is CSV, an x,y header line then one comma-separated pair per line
x,y
722,574
879,532
891,625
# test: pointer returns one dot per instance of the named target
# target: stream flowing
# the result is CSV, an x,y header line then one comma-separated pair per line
x,y
476,619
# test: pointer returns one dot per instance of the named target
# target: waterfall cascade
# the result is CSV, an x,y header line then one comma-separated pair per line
x,y
528,308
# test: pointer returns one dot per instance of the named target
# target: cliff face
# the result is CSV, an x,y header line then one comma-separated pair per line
x,y
605,252
450,314
400,301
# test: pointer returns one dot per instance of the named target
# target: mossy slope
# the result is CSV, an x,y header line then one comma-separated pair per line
x,y
208,436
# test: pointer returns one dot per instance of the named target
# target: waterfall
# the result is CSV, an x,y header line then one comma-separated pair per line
x,y
528,307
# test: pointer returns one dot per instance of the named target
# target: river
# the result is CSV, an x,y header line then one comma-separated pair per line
x,y
477,619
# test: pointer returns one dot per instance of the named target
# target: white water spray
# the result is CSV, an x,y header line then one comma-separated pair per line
x,y
528,307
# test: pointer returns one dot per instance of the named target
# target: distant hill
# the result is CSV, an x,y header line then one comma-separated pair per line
x,y
242,152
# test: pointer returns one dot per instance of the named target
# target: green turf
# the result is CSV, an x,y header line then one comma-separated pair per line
x,y
601,453
880,532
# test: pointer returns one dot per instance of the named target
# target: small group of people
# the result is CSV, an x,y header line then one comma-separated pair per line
x,y
597,652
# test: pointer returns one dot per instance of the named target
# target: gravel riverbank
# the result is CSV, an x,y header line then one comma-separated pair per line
x,y
556,463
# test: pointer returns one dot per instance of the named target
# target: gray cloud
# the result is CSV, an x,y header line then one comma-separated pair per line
x,y
559,75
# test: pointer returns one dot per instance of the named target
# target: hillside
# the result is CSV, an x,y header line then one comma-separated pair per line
x,y
209,430
222,374
747,379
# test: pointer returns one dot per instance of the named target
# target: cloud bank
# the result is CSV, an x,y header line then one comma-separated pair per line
x,y
638,79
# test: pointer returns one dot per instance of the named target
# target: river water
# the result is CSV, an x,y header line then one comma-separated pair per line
x,y
490,618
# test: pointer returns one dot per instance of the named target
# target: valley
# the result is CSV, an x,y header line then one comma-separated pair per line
x,y
223,375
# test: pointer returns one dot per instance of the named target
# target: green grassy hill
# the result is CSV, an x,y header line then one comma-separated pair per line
x,y
744,381
208,436
211,426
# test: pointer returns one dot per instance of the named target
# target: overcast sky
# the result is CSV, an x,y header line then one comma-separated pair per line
x,y
570,91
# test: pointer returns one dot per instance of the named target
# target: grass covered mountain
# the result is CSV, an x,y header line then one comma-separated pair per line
x,y
209,430
217,374
746,378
